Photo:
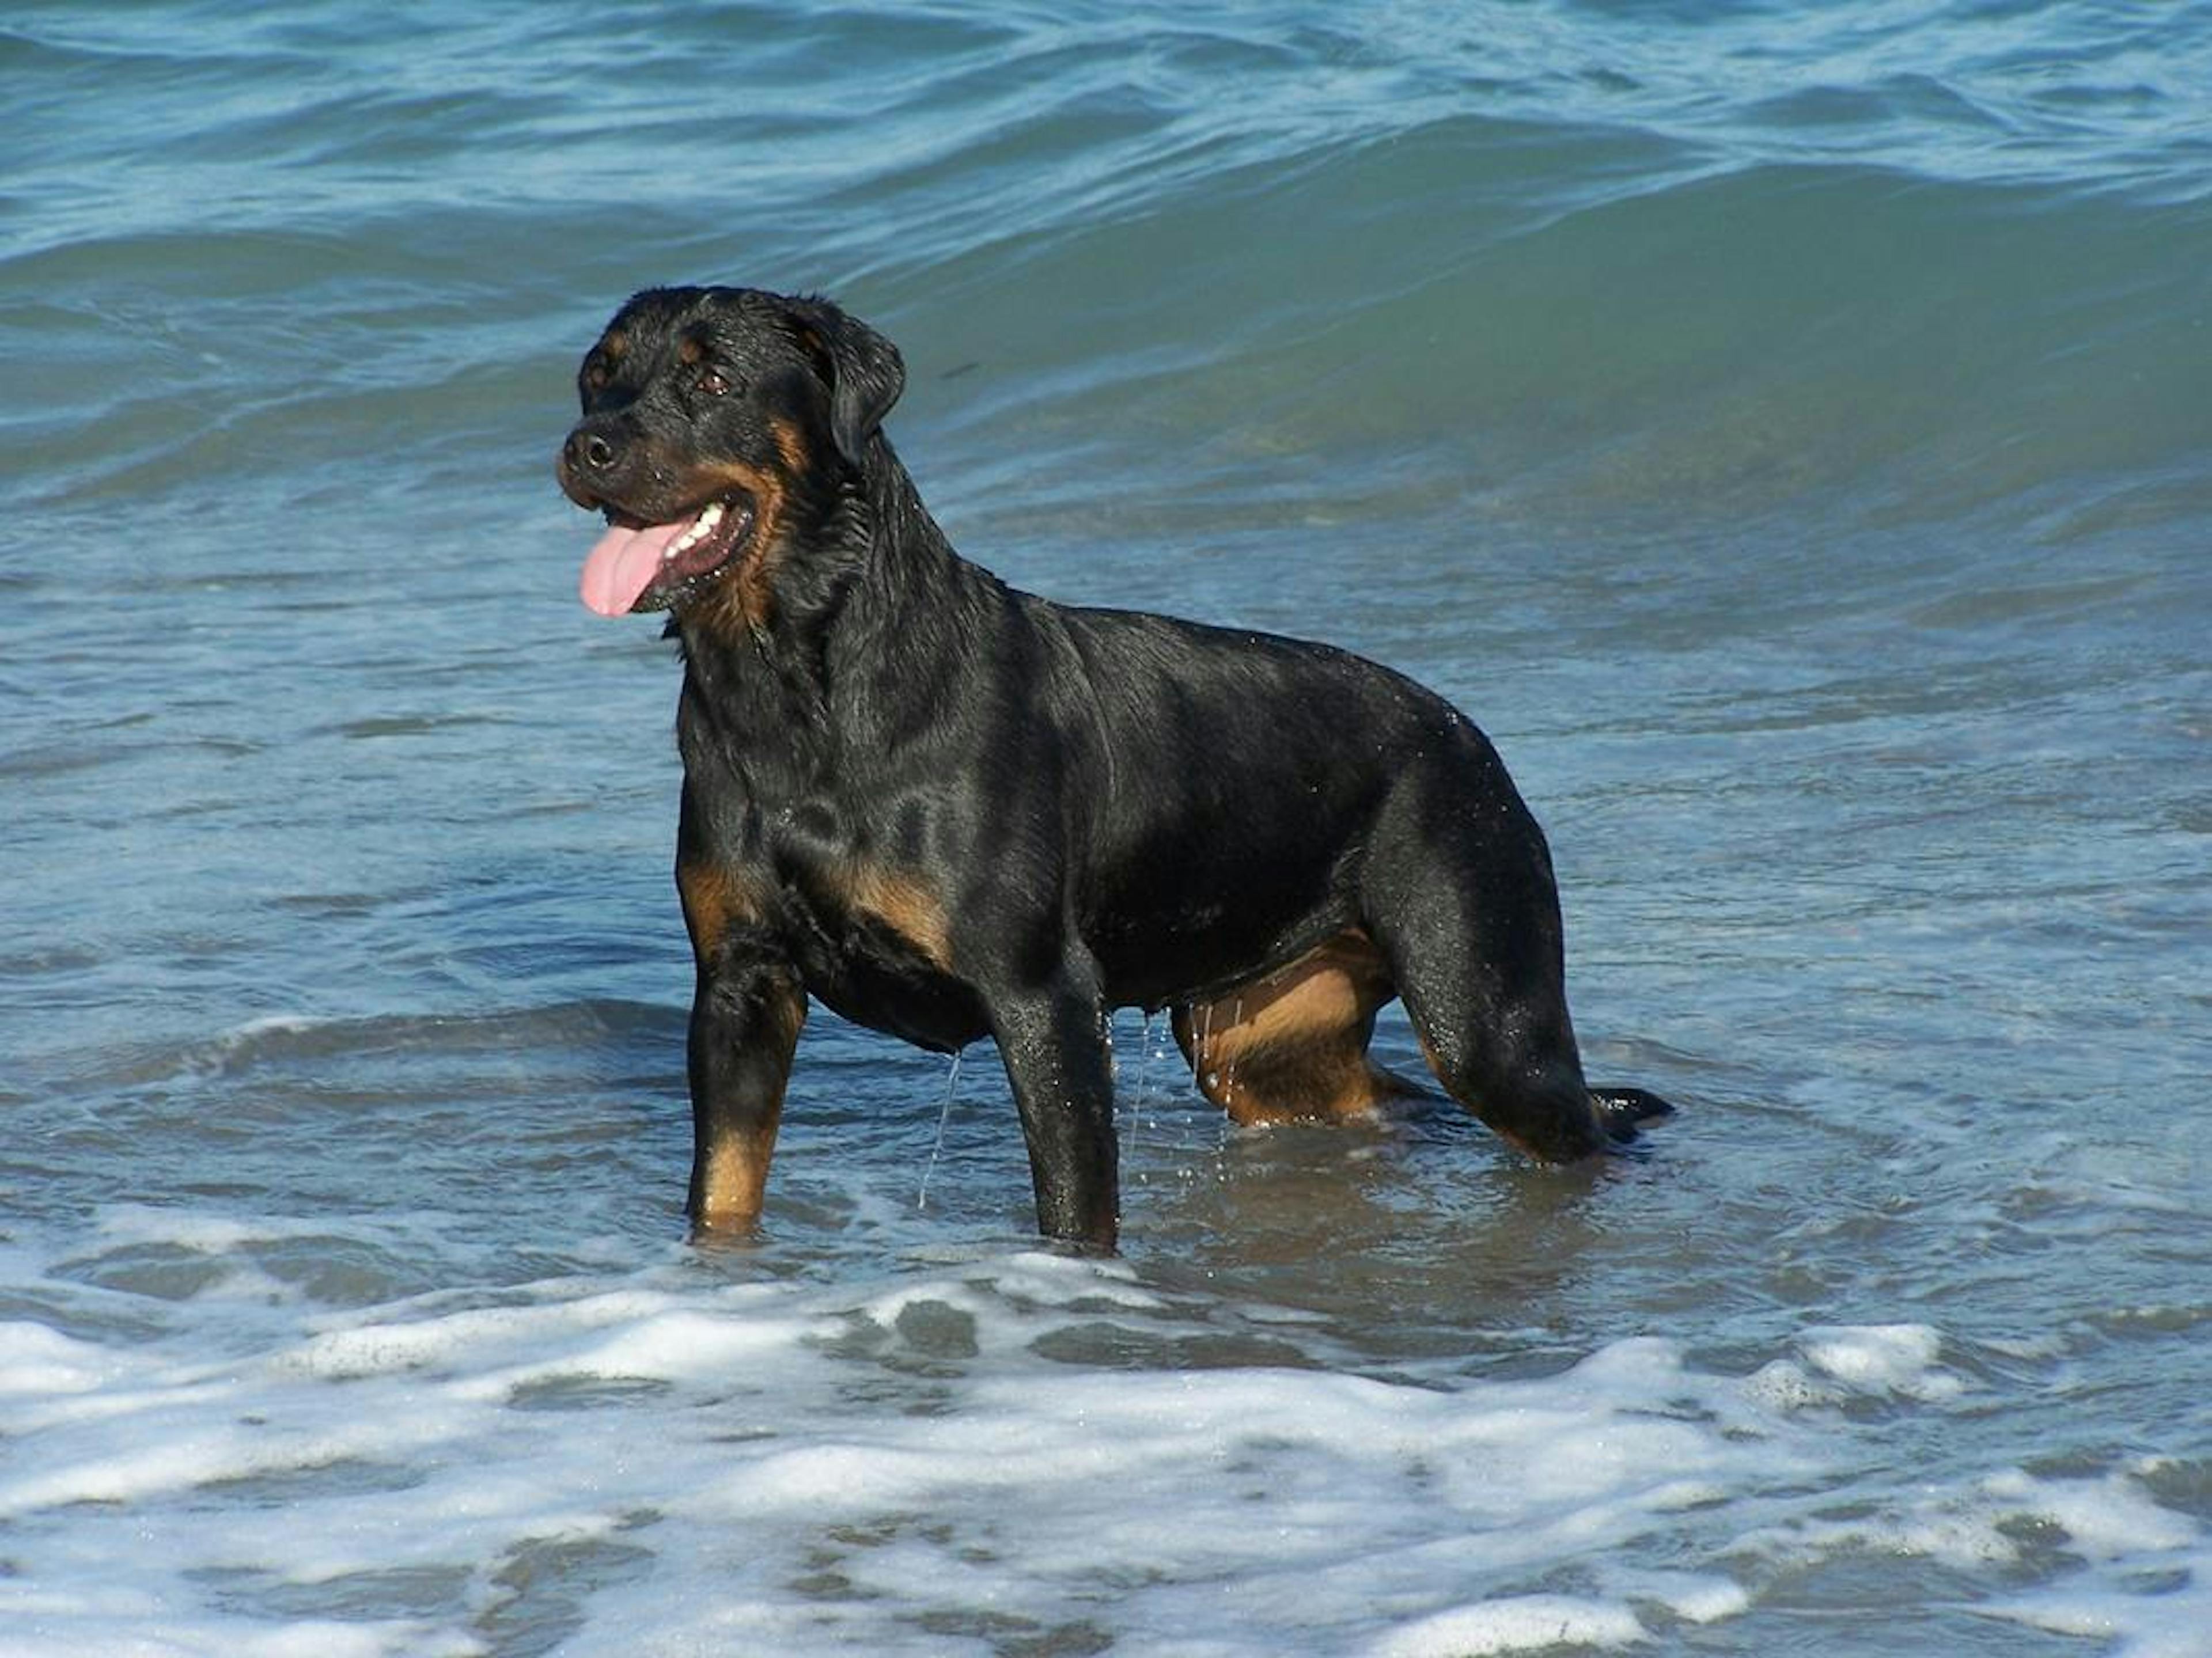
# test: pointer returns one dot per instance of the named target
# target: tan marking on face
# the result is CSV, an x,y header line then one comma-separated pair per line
x,y
613,344
689,350
740,601
1292,1047
790,444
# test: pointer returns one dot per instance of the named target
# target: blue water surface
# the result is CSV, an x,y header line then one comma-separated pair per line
x,y
1783,428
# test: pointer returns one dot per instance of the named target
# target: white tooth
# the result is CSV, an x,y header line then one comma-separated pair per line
x,y
701,527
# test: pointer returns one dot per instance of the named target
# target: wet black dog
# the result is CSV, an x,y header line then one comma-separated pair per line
x,y
950,809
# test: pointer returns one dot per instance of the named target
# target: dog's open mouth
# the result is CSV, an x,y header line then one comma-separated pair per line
x,y
651,567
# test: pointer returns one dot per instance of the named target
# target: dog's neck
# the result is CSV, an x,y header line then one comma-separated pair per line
x,y
862,569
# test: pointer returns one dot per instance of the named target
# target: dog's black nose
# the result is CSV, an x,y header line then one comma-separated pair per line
x,y
587,451
590,466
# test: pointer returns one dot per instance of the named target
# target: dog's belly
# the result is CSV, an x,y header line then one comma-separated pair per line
x,y
913,1003
1201,949
1172,918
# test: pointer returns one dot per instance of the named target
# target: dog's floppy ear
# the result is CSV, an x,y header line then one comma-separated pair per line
x,y
863,370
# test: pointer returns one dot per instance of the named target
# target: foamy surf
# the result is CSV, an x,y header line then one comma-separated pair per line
x,y
950,1458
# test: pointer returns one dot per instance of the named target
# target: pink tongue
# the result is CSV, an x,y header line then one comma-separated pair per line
x,y
623,566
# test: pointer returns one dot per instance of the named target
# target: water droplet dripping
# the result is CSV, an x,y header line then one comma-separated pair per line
x,y
944,1115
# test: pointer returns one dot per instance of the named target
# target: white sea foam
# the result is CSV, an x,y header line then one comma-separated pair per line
x,y
2171,1625
1896,1358
1528,1622
673,1461
39,1363
2111,1518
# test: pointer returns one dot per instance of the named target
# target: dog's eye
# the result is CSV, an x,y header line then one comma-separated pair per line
x,y
595,376
712,383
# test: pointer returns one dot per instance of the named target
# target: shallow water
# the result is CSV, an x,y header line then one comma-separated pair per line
x,y
1782,427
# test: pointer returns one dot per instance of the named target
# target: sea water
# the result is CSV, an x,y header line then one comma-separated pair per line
x,y
1783,428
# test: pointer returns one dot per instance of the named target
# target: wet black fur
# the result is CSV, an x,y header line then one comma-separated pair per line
x,y
1106,808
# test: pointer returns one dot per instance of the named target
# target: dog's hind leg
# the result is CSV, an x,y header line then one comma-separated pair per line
x,y
1458,894
1292,1047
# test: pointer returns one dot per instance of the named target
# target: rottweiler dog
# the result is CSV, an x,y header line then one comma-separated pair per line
x,y
950,809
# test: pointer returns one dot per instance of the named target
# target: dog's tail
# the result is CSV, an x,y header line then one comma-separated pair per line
x,y
1624,1110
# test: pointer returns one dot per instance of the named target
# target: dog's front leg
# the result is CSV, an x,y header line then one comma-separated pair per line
x,y
1053,1038
746,1016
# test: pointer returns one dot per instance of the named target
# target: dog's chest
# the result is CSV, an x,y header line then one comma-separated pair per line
x,y
873,939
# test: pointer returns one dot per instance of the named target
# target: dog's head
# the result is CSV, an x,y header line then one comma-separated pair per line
x,y
716,422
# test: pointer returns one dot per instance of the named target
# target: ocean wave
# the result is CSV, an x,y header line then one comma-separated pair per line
x,y
1564,258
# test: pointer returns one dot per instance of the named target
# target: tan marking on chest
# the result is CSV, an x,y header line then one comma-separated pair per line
x,y
905,905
